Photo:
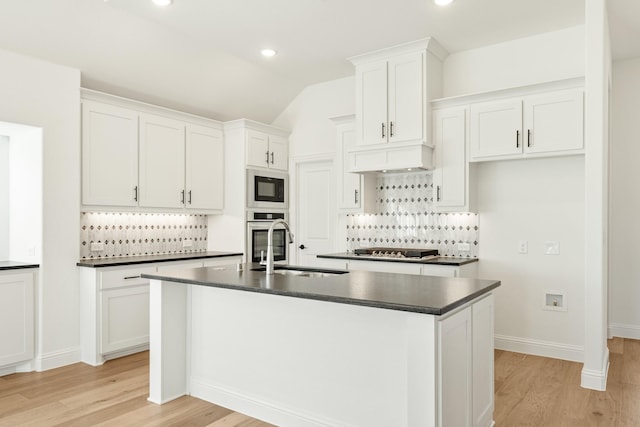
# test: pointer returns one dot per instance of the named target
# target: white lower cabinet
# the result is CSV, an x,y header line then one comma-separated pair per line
x,y
466,270
115,307
386,267
125,318
465,366
17,330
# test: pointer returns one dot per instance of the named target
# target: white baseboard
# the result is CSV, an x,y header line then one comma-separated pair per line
x,y
596,379
554,350
56,359
254,407
624,331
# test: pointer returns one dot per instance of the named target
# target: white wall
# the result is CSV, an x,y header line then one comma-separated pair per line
x,y
46,95
624,270
545,57
308,116
4,197
535,200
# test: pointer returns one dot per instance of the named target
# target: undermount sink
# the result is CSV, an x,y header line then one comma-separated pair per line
x,y
287,270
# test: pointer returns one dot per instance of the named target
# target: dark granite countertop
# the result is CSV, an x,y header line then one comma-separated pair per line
x,y
15,265
438,260
146,259
404,292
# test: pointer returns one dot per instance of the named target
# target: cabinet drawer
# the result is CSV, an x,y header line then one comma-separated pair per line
x,y
439,270
125,277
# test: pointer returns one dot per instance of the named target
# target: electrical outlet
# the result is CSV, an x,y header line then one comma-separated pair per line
x,y
464,247
97,246
552,247
187,243
523,246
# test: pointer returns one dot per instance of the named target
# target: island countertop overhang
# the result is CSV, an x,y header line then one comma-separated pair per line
x,y
404,292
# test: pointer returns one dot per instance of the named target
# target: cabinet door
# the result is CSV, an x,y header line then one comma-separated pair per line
x,y
483,349
371,103
204,179
162,150
496,128
553,122
278,153
109,155
406,98
450,177
454,369
125,318
350,188
440,270
386,267
257,149
16,318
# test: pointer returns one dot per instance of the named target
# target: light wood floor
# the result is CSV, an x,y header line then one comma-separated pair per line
x,y
530,391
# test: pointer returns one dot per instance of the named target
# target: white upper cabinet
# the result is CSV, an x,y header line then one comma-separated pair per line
x,y
451,171
389,100
394,88
496,128
137,160
549,123
554,121
162,162
267,151
204,181
407,108
356,192
109,155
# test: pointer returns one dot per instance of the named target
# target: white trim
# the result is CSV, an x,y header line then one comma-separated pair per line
x,y
596,380
254,407
428,44
251,124
624,331
56,359
554,350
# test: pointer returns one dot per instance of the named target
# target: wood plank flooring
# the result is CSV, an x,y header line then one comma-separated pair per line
x,y
530,391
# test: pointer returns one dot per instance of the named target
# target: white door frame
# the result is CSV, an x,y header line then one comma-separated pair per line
x,y
294,207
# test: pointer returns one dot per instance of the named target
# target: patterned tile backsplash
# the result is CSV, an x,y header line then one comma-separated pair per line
x,y
405,218
130,234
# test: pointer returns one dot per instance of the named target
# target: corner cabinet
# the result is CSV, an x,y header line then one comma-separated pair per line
x,y
393,114
267,151
549,123
109,155
141,161
356,192
451,166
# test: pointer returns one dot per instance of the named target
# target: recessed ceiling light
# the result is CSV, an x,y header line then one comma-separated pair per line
x,y
442,2
268,52
162,2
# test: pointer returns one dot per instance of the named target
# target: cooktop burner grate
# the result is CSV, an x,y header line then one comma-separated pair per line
x,y
396,252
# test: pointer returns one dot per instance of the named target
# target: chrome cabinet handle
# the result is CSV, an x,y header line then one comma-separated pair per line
x,y
528,137
267,153
135,193
437,193
355,196
189,201
132,277
272,157
390,129
517,139
383,135
182,197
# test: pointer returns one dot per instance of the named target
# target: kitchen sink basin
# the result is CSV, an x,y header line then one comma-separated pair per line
x,y
287,270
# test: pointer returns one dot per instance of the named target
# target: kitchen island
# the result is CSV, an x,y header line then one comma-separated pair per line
x,y
337,348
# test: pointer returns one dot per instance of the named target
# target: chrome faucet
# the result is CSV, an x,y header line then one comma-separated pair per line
x,y
270,242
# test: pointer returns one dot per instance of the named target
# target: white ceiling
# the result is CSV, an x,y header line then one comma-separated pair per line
x,y
201,56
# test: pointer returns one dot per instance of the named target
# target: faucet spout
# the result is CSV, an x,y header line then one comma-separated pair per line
x,y
270,242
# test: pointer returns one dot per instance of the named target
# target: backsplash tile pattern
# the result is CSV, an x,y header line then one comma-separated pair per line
x,y
404,217
130,234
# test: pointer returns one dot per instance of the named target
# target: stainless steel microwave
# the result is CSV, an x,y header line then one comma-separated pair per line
x,y
267,189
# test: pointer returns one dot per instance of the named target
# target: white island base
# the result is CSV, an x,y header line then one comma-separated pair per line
x,y
303,362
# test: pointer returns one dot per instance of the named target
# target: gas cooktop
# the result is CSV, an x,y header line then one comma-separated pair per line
x,y
397,252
